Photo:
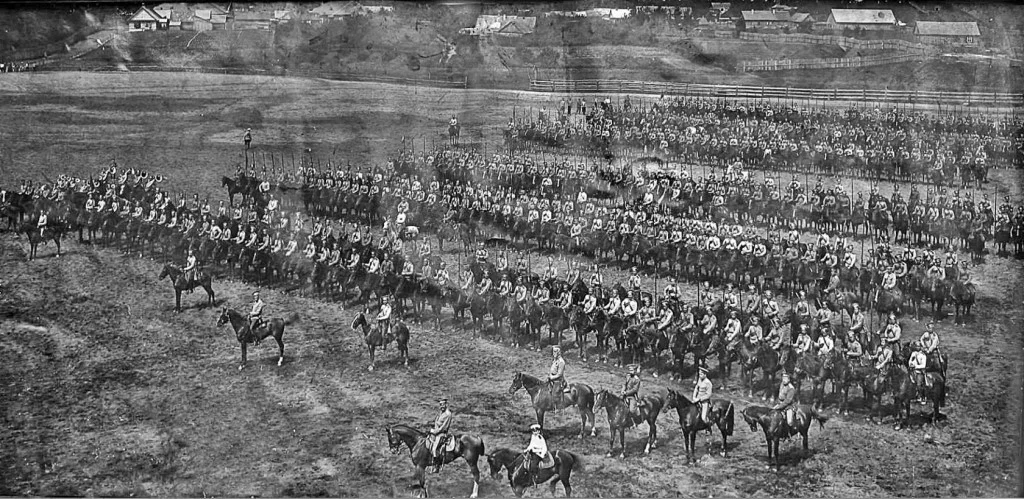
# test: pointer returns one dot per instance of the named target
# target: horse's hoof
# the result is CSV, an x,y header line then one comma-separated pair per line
x,y
240,367
370,368
622,456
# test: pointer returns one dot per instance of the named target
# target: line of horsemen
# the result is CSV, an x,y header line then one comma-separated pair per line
x,y
940,147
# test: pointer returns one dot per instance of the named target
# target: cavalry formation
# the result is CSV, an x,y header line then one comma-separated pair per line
x,y
746,246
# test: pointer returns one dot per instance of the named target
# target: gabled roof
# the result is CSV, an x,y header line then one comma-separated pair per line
x,y
146,14
863,16
203,14
282,15
764,16
934,28
722,6
519,26
803,17
219,18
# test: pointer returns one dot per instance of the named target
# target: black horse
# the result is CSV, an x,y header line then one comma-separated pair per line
x,y
720,414
180,284
619,418
468,447
245,335
375,337
773,424
519,476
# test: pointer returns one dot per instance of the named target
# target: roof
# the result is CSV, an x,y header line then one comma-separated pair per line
x,y
219,18
933,28
331,9
764,16
146,14
282,15
723,6
802,17
203,14
519,26
863,16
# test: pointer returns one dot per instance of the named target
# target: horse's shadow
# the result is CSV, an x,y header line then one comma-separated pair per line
x,y
794,454
198,305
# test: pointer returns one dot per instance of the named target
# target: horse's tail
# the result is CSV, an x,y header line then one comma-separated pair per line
x,y
730,420
292,319
821,418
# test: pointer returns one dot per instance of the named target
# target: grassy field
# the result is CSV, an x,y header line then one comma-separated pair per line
x,y
106,392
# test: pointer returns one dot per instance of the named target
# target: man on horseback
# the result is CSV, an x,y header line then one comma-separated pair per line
x,y
556,374
732,331
439,433
191,272
384,316
631,390
702,395
918,363
929,340
247,138
787,400
892,331
803,341
256,312
41,224
854,350
537,452
826,345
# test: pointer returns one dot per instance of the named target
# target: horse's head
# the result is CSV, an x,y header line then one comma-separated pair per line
x,y
498,459
751,418
600,398
517,383
165,272
224,317
394,440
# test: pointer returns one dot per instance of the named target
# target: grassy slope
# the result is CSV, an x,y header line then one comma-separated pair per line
x,y
406,45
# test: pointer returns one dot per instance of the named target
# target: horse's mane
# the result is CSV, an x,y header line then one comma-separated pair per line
x,y
409,428
504,456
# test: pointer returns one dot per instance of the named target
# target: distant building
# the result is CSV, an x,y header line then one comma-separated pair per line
x,y
721,7
765,19
252,21
501,25
147,19
869,19
948,33
336,10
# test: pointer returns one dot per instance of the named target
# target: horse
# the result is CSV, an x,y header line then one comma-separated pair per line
x,y
721,414
468,447
236,187
619,418
54,231
963,296
773,424
519,476
180,284
245,335
453,134
374,337
580,395
905,390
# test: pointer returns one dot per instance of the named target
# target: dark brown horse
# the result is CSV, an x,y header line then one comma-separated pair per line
x,y
240,323
963,296
773,424
180,284
619,418
54,231
468,447
721,414
580,396
519,476
374,337
905,390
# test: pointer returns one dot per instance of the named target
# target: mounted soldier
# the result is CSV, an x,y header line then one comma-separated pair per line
x,y
537,452
556,374
439,433
631,390
787,400
702,395
256,312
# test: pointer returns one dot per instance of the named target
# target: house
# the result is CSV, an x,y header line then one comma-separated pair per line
x,y
802,18
721,7
869,19
378,9
336,10
146,19
253,20
282,16
948,33
765,19
501,25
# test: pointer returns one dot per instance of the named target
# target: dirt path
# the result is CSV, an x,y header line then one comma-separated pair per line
x,y
106,392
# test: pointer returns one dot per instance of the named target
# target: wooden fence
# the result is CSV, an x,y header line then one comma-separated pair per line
x,y
829,62
841,41
786,93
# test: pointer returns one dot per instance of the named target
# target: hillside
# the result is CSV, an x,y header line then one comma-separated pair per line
x,y
412,42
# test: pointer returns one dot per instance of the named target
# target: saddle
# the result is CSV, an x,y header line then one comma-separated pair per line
x,y
449,444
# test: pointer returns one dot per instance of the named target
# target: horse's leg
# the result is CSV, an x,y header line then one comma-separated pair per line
x,y
371,349
177,300
279,336
244,351
622,439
